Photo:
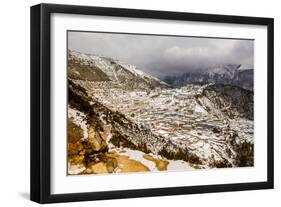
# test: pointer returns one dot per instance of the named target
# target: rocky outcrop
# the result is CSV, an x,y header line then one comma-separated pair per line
x,y
75,148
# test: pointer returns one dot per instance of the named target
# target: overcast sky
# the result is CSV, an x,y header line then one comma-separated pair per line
x,y
164,55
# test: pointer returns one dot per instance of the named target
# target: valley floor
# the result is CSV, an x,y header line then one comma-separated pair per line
x,y
181,115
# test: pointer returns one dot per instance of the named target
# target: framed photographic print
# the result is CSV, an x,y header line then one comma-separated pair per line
x,y
132,103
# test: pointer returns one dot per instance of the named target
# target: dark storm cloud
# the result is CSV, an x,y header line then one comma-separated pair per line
x,y
164,55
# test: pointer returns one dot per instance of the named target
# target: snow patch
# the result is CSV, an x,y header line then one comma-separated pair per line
x,y
199,109
178,165
79,119
138,156
75,169
174,165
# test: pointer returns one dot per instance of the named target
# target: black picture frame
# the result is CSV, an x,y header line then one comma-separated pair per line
x,y
41,96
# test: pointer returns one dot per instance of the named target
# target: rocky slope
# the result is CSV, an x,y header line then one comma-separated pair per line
x,y
120,132
230,101
97,68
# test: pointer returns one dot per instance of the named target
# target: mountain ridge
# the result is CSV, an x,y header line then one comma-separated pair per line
x,y
101,68
230,74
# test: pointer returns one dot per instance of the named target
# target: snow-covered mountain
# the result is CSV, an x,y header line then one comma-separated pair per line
x,y
100,68
119,115
232,74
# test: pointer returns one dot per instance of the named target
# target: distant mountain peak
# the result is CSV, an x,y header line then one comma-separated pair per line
x,y
232,74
